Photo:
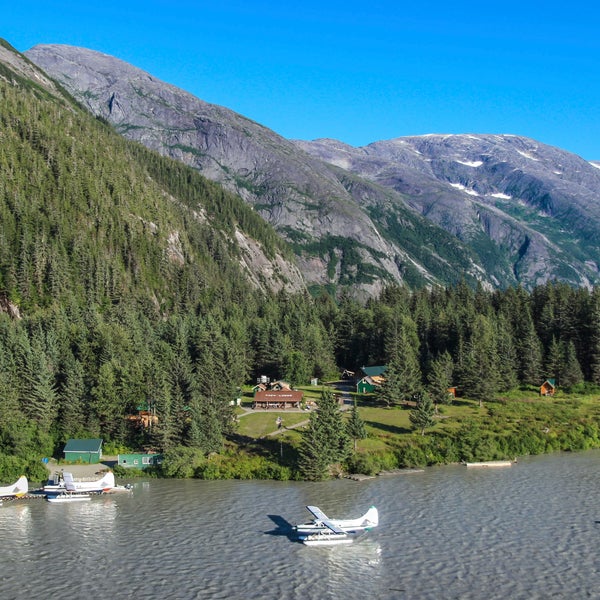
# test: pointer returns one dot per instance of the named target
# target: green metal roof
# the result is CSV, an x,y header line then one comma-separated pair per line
x,y
373,371
90,445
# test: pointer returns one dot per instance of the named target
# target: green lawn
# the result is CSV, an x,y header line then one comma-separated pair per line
x,y
261,423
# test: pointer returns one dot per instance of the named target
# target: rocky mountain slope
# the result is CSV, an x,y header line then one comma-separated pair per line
x,y
87,192
538,204
495,209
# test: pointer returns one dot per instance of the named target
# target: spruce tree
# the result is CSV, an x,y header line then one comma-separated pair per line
x,y
439,379
355,426
422,416
325,441
571,373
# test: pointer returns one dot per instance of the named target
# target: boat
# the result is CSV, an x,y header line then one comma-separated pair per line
x,y
16,490
70,493
321,523
491,463
105,484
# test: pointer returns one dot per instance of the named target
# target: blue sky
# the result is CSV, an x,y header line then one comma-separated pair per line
x,y
355,71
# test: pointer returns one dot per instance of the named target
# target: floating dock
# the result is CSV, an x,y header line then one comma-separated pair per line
x,y
491,463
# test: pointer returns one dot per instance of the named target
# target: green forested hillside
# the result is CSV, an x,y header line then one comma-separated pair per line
x,y
121,287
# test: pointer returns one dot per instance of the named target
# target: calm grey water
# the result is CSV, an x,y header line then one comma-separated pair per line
x,y
528,531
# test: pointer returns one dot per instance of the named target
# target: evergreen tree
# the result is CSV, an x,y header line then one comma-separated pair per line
x,y
422,416
355,426
439,379
325,442
479,372
571,373
592,323
391,391
554,361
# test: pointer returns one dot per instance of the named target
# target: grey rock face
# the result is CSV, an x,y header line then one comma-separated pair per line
x,y
496,209
539,205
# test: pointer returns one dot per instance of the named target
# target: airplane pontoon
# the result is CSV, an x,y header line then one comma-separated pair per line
x,y
70,493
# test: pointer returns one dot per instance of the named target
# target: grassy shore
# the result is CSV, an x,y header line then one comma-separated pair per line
x,y
515,424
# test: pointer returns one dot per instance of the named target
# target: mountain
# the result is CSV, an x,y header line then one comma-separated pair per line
x,y
539,205
499,210
89,217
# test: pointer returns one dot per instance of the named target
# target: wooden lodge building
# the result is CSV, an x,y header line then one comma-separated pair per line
x,y
277,399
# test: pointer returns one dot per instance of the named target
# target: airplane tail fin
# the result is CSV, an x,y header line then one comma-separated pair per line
x,y
372,517
108,481
21,486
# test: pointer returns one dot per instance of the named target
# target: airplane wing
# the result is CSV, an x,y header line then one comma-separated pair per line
x,y
324,519
318,513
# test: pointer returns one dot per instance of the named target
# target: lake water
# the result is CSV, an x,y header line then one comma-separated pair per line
x,y
523,532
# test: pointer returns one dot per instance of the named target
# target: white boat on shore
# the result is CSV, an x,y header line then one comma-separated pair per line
x,y
105,484
16,490
491,463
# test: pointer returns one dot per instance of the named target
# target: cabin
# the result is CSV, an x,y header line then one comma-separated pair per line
x,y
452,392
280,385
371,380
84,451
259,387
144,419
278,399
548,388
139,460
348,375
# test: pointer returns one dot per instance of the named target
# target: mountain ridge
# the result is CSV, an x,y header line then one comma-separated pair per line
x,y
494,209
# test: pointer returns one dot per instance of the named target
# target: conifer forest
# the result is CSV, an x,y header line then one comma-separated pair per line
x,y
121,287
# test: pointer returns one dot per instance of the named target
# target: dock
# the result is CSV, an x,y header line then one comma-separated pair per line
x,y
491,463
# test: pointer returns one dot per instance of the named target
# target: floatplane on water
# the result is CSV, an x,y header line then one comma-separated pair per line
x,y
323,530
16,490
105,484
69,492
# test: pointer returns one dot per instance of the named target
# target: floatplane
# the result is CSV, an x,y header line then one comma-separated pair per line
x,y
322,530
69,492
18,489
105,484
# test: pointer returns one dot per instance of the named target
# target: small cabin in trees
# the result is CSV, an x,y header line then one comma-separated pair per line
x,y
371,380
548,387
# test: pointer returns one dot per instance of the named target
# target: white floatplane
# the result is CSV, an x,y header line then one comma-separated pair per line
x,y
16,490
70,493
104,484
325,531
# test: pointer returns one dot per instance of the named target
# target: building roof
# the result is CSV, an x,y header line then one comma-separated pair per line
x,y
89,445
279,396
551,382
373,371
